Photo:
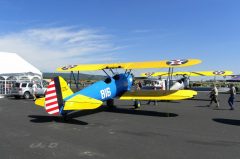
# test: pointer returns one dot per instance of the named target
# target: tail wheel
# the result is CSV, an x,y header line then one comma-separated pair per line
x,y
26,95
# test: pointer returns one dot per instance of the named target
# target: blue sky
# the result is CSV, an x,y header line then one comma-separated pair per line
x,y
51,33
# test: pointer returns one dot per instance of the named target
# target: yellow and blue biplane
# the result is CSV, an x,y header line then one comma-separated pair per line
x,y
60,99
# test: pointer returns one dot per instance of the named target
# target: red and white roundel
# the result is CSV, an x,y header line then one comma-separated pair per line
x,y
176,62
68,67
218,72
149,73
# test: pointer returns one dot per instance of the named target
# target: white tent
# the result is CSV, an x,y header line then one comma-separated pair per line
x,y
12,63
14,68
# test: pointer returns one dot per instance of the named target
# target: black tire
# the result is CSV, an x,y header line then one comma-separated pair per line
x,y
26,95
137,104
17,97
110,103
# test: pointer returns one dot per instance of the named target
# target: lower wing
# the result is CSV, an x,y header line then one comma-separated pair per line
x,y
158,95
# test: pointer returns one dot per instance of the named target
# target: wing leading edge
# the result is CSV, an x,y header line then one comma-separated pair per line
x,y
131,65
196,73
158,95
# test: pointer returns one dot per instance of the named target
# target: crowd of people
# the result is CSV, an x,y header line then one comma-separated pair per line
x,y
214,96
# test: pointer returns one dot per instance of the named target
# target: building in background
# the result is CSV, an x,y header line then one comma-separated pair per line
x,y
14,68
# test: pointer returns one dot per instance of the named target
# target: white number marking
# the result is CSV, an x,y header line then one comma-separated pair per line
x,y
105,93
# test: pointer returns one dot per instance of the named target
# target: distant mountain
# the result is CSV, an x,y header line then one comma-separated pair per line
x,y
48,75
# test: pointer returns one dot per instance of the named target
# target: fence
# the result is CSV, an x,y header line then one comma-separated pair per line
x,y
6,86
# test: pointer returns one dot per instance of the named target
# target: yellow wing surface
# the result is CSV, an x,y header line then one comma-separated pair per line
x,y
196,73
131,65
79,102
40,102
158,95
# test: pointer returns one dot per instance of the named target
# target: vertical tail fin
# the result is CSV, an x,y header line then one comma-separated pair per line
x,y
57,90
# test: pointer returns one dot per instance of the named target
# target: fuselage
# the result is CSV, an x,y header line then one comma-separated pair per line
x,y
110,88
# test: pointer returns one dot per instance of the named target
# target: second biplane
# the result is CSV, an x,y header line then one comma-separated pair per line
x,y
184,81
60,99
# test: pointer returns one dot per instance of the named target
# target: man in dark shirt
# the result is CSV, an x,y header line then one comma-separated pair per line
x,y
231,97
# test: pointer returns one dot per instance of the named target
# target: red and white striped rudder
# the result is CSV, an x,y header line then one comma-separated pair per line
x,y
51,100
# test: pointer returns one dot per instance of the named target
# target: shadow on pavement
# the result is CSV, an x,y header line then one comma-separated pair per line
x,y
76,114
58,119
141,112
220,108
227,121
203,106
123,111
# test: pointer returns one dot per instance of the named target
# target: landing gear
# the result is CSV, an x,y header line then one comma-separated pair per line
x,y
110,103
137,104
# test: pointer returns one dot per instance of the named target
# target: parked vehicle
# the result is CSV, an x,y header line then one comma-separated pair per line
x,y
24,89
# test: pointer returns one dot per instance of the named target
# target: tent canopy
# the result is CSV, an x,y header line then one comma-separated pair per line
x,y
12,63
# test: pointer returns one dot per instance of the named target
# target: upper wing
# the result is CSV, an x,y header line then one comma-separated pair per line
x,y
158,95
196,73
215,73
131,65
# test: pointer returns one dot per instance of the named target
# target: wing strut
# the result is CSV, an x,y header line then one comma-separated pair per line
x,y
112,71
106,72
76,80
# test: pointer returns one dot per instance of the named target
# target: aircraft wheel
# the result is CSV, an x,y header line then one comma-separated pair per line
x,y
137,104
110,103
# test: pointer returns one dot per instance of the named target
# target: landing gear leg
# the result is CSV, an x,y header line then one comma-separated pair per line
x,y
110,103
137,104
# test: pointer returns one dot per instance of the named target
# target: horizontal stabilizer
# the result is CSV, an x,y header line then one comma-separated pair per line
x,y
81,102
40,102
158,95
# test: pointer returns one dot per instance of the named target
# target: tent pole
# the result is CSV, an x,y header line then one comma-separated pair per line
x,y
5,86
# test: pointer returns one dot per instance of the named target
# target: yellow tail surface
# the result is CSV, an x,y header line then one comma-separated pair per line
x,y
77,102
64,88
40,102
81,102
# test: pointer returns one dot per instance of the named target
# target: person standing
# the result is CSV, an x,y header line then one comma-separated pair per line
x,y
231,97
137,103
155,88
214,96
34,87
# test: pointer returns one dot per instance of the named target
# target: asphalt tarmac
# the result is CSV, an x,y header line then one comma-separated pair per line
x,y
182,129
